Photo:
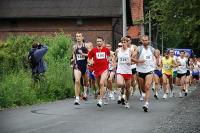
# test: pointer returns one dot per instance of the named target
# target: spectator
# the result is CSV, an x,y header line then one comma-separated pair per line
x,y
37,63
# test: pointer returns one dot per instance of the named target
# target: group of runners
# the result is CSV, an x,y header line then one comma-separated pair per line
x,y
128,68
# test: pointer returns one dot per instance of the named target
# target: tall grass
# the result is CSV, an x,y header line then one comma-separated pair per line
x,y
16,85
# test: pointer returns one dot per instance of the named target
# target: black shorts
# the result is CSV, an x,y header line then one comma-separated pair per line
x,y
143,75
179,75
195,77
80,68
134,71
188,73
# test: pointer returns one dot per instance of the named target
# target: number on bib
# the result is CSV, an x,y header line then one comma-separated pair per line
x,y
100,55
80,57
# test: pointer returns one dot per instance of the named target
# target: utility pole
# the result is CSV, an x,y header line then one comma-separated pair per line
x,y
150,26
124,17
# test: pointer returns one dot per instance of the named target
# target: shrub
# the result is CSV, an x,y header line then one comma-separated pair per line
x,y
15,75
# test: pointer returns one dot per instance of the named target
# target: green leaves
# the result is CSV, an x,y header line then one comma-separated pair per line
x,y
179,20
16,86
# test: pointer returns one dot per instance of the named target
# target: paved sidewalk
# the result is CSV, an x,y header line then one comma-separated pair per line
x,y
185,118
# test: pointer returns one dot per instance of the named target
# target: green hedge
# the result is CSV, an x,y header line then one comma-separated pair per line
x,y
16,86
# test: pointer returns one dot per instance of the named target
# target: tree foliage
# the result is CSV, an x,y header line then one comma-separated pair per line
x,y
179,20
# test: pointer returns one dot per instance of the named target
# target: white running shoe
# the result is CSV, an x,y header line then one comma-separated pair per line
x,y
119,99
146,107
76,102
100,103
167,92
180,94
111,96
165,96
127,106
141,98
171,94
123,99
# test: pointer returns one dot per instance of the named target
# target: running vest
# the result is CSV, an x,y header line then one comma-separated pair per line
x,y
124,62
81,60
183,67
167,65
148,56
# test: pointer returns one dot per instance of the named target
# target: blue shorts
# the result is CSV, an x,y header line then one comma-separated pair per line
x,y
91,75
158,73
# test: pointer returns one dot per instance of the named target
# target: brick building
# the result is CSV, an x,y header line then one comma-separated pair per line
x,y
92,17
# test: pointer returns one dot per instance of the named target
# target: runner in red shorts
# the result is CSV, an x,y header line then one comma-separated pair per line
x,y
98,58
124,71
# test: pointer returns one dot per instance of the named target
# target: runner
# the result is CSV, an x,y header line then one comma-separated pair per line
x,y
79,67
181,72
133,65
124,72
91,76
157,73
112,71
174,71
145,68
167,64
195,72
98,57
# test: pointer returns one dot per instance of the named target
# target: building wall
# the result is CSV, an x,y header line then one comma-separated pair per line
x,y
91,28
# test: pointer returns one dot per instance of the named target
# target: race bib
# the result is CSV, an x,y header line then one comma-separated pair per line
x,y
100,55
167,67
123,60
148,57
80,57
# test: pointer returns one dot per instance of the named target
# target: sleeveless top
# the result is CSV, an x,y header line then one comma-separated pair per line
x,y
183,67
81,60
167,65
124,62
149,64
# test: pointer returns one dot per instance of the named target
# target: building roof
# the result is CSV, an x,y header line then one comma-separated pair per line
x,y
60,8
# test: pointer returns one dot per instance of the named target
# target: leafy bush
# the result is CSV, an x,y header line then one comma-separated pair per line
x,y
16,86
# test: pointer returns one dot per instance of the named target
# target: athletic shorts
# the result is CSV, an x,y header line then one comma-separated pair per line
x,y
91,75
174,74
195,77
188,73
158,73
99,73
126,76
167,75
143,75
134,71
80,68
179,75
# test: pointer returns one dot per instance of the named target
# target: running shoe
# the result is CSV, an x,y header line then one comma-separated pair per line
x,y
146,107
180,94
123,99
127,106
111,96
100,102
76,102
119,99
156,95
186,92
165,96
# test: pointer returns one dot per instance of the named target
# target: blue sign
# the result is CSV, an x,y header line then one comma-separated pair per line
x,y
177,51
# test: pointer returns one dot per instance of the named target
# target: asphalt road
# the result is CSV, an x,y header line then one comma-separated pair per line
x,y
64,117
